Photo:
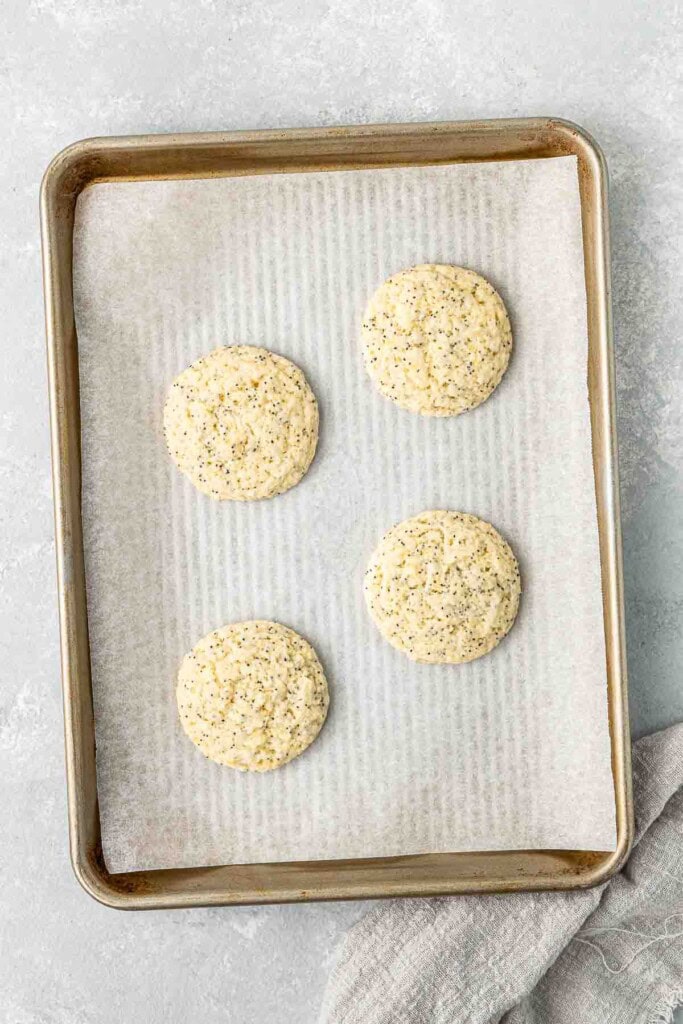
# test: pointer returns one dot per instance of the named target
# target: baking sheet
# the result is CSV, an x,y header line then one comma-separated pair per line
x,y
509,752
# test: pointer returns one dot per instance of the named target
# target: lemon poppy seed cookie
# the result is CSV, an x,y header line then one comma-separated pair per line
x,y
436,339
252,695
443,587
241,423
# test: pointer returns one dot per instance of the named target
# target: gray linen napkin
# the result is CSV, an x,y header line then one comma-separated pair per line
x,y
610,955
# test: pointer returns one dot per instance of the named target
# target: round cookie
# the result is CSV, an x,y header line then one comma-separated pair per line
x,y
252,695
241,423
437,339
443,587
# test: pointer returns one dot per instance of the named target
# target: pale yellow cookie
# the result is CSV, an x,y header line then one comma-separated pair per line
x,y
241,423
443,587
252,695
437,339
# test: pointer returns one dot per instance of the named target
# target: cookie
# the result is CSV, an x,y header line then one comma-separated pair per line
x,y
252,695
436,339
443,587
241,423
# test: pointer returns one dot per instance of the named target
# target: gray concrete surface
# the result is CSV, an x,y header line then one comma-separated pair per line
x,y
73,68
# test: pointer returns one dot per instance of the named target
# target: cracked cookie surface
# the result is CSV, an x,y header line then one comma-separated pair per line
x,y
436,339
252,695
443,587
241,423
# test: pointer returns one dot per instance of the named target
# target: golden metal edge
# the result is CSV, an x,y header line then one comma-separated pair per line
x,y
90,872
617,683
47,195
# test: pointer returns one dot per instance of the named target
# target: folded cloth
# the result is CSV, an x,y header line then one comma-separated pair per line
x,y
609,955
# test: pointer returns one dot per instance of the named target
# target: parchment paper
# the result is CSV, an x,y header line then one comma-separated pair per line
x,y
510,751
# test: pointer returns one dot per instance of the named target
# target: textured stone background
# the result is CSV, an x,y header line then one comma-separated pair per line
x,y
73,68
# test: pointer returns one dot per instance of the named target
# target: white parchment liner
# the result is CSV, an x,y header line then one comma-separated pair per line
x,y
510,751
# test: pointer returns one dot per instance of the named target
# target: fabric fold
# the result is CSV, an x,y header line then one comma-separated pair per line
x,y
612,954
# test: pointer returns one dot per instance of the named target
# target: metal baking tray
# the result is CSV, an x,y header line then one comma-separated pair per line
x,y
232,153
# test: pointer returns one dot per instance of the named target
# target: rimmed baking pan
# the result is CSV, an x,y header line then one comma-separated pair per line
x,y
238,153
